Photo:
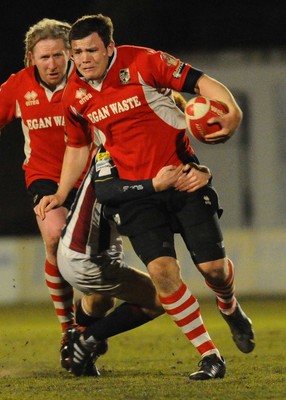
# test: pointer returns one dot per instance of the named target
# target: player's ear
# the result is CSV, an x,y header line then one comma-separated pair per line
x,y
30,59
110,48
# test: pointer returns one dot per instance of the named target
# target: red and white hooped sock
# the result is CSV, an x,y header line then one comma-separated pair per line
x,y
184,310
226,300
61,293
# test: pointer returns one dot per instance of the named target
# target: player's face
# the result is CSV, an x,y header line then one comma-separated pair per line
x,y
51,58
91,56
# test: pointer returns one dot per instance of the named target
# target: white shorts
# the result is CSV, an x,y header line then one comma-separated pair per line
x,y
106,274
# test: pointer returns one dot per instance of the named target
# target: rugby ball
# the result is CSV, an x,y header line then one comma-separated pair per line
x,y
198,111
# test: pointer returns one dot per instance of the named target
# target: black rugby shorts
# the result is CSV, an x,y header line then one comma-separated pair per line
x,y
45,187
150,224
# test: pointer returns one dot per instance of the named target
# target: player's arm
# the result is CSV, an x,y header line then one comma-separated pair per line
x,y
209,87
79,142
169,72
74,163
110,189
115,190
8,93
196,82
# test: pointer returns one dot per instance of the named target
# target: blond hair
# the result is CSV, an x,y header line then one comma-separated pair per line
x,y
179,100
42,30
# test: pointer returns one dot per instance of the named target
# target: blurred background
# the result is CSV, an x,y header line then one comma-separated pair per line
x,y
242,44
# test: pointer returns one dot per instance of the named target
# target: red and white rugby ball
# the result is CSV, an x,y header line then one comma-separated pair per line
x,y
198,111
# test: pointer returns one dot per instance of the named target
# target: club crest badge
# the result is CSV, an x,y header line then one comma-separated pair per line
x,y
169,60
124,76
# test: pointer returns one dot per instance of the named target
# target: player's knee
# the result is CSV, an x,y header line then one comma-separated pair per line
x,y
51,245
98,305
214,271
164,271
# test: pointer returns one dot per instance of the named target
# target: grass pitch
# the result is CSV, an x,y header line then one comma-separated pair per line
x,y
149,363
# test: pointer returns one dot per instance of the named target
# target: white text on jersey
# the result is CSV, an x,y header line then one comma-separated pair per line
x,y
116,108
47,122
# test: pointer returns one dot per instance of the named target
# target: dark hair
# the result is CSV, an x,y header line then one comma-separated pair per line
x,y
89,24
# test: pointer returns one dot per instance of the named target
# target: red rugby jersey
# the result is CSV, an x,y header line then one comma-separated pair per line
x,y
41,112
133,109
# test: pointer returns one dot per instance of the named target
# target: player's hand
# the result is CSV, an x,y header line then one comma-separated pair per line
x,y
46,204
194,177
167,177
229,122
221,135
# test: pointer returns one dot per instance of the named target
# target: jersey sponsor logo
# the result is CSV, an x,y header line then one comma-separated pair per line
x,y
47,122
178,71
82,95
31,98
99,115
103,164
133,187
114,108
124,76
102,155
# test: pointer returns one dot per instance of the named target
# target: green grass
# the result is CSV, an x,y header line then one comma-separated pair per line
x,y
149,363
